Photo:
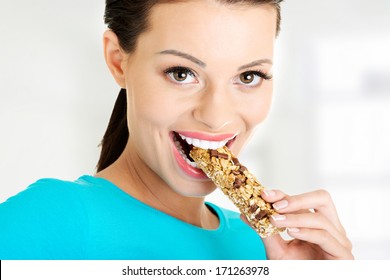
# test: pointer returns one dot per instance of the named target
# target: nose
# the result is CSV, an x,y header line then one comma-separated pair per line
x,y
215,108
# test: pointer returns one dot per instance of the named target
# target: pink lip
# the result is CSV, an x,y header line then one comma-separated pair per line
x,y
207,137
187,169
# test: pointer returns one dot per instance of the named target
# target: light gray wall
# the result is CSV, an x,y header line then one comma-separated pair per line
x,y
328,127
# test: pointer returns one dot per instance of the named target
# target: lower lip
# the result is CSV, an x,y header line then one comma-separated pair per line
x,y
185,167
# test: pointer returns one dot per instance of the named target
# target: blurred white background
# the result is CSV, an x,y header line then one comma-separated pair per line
x,y
329,126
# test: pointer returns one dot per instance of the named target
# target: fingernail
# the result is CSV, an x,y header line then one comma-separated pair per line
x,y
293,229
269,192
276,217
280,204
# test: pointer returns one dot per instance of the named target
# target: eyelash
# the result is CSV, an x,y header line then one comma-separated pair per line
x,y
173,69
188,71
259,73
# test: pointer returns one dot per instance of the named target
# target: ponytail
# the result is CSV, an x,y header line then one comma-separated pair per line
x,y
116,136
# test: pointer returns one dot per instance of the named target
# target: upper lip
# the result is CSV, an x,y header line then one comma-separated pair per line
x,y
208,137
206,141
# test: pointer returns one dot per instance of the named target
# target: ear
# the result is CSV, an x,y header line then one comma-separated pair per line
x,y
114,56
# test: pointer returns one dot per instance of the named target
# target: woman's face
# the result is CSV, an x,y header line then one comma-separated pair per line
x,y
200,75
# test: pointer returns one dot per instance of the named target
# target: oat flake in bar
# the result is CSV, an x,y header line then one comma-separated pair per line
x,y
243,189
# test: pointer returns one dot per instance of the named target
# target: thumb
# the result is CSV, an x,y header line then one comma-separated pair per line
x,y
274,244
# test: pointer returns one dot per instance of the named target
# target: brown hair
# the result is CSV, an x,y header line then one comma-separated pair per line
x,y
128,19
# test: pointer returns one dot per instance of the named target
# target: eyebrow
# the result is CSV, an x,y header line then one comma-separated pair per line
x,y
184,55
203,65
255,63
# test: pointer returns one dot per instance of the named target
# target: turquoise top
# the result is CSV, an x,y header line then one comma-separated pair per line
x,y
91,218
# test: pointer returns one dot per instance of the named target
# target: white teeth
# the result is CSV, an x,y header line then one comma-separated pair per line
x,y
183,155
189,140
204,144
214,145
193,164
196,142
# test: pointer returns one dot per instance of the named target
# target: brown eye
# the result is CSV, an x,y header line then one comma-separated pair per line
x,y
180,75
251,79
247,77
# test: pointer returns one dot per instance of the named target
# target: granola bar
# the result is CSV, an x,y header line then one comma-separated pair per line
x,y
243,189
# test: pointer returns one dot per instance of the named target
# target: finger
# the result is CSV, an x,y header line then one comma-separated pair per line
x,y
310,221
275,246
327,242
319,200
272,196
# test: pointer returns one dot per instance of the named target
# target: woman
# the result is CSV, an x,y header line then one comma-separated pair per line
x,y
196,71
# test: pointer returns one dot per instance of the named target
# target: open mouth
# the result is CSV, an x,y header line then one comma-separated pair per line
x,y
184,145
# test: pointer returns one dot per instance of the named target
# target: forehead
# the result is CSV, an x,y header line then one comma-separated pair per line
x,y
209,29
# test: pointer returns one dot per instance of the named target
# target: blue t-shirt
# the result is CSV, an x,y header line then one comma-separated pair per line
x,y
91,218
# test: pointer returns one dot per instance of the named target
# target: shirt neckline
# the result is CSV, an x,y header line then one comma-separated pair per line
x,y
217,210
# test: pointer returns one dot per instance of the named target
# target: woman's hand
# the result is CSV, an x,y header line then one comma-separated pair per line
x,y
312,220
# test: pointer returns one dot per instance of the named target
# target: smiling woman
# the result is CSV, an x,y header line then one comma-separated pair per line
x,y
192,74
183,84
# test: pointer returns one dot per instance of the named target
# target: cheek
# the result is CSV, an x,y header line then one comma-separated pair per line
x,y
149,101
257,108
149,104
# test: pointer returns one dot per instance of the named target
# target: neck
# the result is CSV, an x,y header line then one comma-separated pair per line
x,y
134,177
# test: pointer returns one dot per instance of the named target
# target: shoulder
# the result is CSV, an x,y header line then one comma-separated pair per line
x,y
47,199
46,220
42,190
54,190
43,199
